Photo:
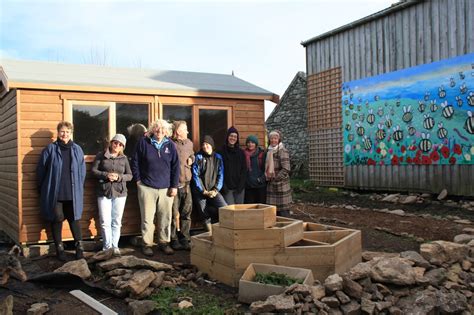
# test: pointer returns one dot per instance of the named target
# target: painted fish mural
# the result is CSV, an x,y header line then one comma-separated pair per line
x,y
429,116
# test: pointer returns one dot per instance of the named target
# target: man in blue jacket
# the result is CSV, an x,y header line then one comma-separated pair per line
x,y
208,179
155,167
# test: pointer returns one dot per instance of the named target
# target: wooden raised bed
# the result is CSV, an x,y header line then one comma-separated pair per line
x,y
247,216
321,248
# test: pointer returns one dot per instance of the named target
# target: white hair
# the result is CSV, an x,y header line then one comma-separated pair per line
x,y
160,123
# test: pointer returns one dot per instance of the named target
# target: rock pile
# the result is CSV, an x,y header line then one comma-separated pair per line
x,y
133,278
439,280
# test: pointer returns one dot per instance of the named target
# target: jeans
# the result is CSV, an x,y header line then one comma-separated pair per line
x,y
234,197
203,204
110,213
182,206
155,201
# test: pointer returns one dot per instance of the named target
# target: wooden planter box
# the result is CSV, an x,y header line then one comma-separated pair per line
x,y
324,253
280,235
237,259
250,291
247,216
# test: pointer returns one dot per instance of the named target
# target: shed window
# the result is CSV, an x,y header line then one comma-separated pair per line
x,y
173,113
95,123
128,116
213,122
91,127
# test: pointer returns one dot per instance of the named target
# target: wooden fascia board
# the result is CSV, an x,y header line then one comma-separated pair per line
x,y
4,79
80,88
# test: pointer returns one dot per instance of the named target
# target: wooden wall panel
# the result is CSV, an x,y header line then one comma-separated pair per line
x,y
422,32
40,112
9,218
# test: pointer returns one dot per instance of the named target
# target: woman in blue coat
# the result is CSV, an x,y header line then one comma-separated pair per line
x,y
61,172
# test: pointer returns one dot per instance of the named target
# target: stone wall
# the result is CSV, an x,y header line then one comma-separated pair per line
x,y
290,117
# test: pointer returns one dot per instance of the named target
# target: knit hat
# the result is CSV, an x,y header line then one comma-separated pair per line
x,y
120,138
229,131
208,139
252,138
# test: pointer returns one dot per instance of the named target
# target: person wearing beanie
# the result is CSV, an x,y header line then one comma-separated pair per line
x,y
155,168
255,185
182,203
234,167
61,173
112,170
208,179
277,173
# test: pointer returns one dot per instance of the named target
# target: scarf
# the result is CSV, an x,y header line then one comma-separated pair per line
x,y
269,164
248,155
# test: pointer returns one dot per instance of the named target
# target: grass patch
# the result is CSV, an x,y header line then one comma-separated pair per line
x,y
204,303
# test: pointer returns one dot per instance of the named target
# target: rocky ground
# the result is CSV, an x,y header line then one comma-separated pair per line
x,y
389,223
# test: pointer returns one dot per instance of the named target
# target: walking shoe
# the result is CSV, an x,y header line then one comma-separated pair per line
x,y
147,250
79,250
60,252
116,252
176,245
185,245
165,248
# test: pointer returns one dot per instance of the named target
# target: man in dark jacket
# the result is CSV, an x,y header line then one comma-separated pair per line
x,y
155,167
208,178
183,203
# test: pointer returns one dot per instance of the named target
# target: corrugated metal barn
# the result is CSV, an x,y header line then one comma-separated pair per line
x,y
102,101
411,67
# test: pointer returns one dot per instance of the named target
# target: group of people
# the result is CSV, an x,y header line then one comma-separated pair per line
x,y
170,179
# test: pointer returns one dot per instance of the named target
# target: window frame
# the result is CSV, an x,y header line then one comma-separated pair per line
x,y
195,117
68,115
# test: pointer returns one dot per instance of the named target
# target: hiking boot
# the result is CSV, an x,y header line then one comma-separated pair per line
x,y
79,250
147,251
185,245
165,248
176,245
60,252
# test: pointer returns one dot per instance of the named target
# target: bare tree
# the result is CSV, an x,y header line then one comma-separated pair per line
x,y
97,56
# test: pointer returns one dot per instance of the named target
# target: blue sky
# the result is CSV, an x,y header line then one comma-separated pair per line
x,y
259,40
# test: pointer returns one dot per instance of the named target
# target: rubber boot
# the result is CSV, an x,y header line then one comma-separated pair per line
x,y
60,252
79,250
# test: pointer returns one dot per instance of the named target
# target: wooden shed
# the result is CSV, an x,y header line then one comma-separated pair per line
x,y
102,101
411,67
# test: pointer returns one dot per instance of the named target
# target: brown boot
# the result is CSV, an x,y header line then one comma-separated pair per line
x,y
166,248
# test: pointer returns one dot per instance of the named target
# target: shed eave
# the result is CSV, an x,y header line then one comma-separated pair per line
x,y
393,8
163,92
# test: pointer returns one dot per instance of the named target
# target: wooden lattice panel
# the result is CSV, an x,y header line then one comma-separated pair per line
x,y
324,99
326,166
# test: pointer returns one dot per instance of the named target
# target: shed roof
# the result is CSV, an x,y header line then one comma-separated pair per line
x,y
61,76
